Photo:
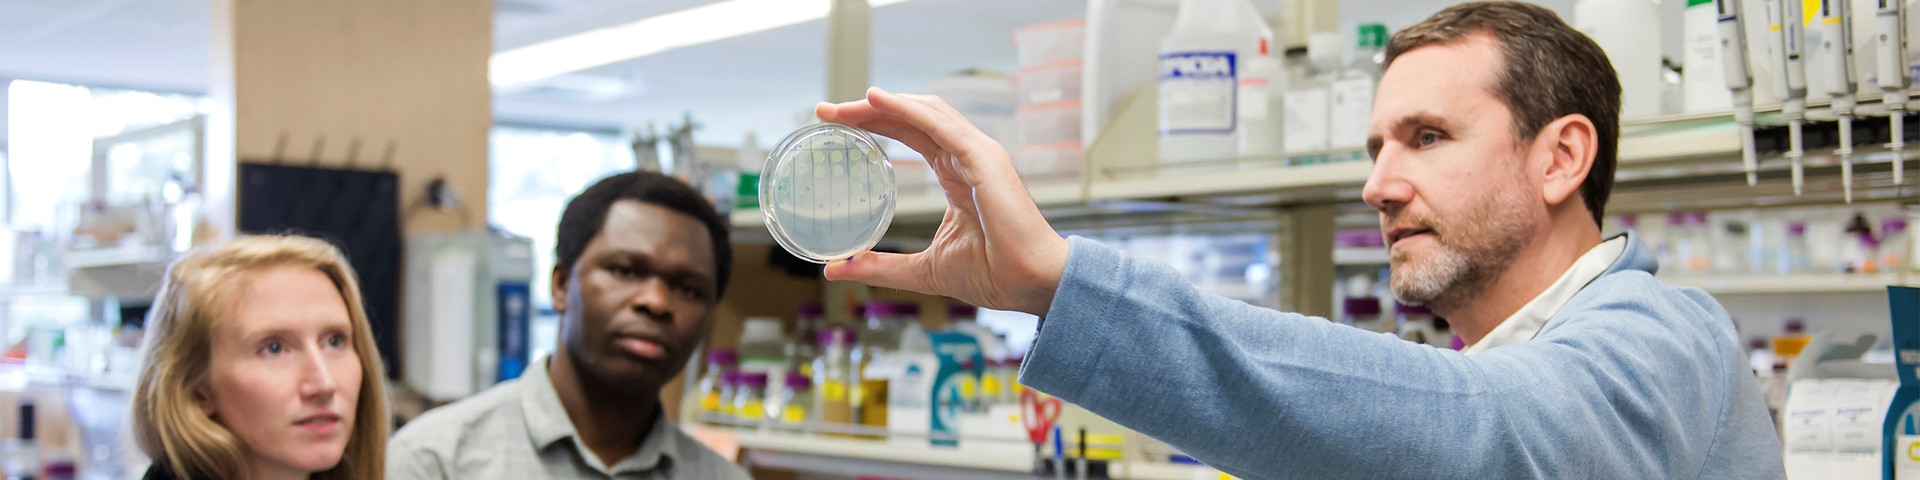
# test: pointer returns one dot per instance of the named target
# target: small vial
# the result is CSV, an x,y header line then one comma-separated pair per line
x,y
1894,244
1795,257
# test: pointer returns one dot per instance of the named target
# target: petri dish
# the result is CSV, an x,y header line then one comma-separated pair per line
x,y
827,192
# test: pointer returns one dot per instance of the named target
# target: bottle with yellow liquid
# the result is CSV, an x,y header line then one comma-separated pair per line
x,y
804,345
970,386
886,321
872,406
834,378
713,386
995,388
796,402
729,390
750,399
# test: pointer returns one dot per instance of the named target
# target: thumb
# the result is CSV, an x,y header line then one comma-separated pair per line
x,y
885,270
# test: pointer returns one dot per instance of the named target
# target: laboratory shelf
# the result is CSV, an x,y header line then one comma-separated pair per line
x,y
1270,179
979,459
1360,256
1720,140
793,447
1168,471
744,218
1786,284
123,256
35,289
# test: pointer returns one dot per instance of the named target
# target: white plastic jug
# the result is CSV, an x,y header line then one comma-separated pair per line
x,y
1629,32
1201,62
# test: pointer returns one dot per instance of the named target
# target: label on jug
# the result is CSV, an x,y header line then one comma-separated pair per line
x,y
1198,93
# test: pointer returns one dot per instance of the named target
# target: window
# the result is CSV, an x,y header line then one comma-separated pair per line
x,y
52,129
532,174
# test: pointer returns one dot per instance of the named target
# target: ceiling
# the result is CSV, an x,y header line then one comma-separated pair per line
x,y
763,82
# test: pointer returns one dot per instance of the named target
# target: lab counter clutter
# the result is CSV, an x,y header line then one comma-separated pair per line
x,y
883,396
1852,404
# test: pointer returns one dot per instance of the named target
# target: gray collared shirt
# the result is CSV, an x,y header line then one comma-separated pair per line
x,y
519,430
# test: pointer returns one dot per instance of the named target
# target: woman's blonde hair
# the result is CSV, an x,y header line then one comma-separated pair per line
x,y
197,293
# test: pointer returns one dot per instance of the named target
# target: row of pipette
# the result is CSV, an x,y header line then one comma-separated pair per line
x,y
1786,47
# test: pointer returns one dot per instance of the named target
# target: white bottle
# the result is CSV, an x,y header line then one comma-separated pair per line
x,y
1262,89
1629,32
1200,64
1704,83
1350,98
763,348
1308,104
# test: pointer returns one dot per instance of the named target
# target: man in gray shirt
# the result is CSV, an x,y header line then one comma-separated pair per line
x,y
641,261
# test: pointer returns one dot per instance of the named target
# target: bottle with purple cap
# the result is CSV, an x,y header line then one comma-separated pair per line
x,y
834,378
1894,243
795,405
750,399
1794,256
713,386
803,346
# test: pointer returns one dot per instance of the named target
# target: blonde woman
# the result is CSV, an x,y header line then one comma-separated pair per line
x,y
260,365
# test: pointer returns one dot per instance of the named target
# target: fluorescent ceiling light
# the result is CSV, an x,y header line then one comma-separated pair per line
x,y
647,36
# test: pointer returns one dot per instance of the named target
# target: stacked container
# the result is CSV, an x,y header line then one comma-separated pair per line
x,y
1048,117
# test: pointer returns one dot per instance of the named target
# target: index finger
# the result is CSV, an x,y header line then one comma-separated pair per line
x,y
860,114
952,132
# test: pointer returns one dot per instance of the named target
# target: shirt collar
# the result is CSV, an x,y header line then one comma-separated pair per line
x,y
1528,321
548,423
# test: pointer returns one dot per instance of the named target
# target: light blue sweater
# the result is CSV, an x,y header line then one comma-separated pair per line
x,y
1633,378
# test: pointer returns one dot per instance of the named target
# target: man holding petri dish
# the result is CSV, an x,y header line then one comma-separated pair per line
x,y
1494,139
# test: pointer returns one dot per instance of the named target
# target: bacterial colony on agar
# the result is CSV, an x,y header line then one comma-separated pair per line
x,y
827,192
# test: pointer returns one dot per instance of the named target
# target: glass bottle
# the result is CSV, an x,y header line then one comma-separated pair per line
x,y
720,363
834,378
750,399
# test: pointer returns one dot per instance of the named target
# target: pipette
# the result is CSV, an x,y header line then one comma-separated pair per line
x,y
1733,48
1891,45
1785,29
1059,454
1835,23
1081,465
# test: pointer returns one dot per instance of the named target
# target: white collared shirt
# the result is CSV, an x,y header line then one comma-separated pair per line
x,y
1528,321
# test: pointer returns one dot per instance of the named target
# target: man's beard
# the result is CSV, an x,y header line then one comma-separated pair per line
x,y
1468,253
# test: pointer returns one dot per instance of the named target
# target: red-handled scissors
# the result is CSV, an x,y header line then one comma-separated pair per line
x,y
1038,415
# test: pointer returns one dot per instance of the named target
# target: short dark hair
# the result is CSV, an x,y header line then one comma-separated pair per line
x,y
1548,70
587,213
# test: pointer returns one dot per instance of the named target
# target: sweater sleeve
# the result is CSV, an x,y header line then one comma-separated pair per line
x,y
1617,391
